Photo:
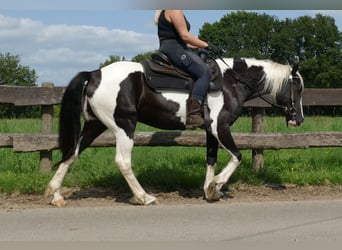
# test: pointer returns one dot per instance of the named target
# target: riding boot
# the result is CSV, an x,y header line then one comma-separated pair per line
x,y
194,117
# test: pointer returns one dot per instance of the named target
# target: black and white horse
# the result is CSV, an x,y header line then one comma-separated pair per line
x,y
116,97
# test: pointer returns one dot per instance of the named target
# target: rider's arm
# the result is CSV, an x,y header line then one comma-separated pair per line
x,y
176,17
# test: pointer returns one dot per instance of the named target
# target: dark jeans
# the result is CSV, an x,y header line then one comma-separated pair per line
x,y
191,63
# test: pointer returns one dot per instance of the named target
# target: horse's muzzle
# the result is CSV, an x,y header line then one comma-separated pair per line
x,y
292,123
295,122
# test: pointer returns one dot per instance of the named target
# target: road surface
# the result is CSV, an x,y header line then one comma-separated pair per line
x,y
289,221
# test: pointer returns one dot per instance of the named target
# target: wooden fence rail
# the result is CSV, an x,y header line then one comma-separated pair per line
x,y
50,95
261,141
45,142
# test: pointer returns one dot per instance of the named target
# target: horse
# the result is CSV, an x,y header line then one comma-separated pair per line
x,y
117,96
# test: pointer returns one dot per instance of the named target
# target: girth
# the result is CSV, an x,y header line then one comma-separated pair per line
x,y
160,74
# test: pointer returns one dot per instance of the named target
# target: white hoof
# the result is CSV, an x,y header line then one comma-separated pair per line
x,y
58,203
213,192
58,199
146,200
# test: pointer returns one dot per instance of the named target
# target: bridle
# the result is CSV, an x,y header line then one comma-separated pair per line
x,y
291,110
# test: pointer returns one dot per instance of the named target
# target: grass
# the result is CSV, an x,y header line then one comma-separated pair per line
x,y
175,167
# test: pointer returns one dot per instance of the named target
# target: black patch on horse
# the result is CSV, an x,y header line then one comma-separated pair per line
x,y
249,76
239,64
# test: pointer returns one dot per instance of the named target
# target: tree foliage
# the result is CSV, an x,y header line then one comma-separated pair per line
x,y
316,40
14,74
111,59
141,57
241,34
115,58
319,44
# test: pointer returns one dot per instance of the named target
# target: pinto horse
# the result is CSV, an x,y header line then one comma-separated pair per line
x,y
116,97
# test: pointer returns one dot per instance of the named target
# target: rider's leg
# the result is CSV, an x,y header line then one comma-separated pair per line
x,y
201,72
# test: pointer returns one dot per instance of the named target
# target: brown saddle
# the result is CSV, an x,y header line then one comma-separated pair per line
x,y
160,74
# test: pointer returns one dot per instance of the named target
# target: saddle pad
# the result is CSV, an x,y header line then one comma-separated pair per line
x,y
165,78
162,76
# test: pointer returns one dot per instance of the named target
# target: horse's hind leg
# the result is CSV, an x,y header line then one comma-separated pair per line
x,y
91,130
124,146
53,188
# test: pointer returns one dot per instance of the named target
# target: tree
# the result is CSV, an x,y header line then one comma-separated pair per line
x,y
111,59
316,40
141,57
241,34
318,44
14,74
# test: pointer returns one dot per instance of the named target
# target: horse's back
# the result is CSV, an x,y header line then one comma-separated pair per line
x,y
112,76
118,71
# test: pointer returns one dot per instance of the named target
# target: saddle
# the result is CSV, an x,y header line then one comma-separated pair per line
x,y
161,74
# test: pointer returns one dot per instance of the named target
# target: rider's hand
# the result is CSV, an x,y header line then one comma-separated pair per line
x,y
216,51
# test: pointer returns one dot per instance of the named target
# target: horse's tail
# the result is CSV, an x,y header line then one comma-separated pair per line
x,y
70,115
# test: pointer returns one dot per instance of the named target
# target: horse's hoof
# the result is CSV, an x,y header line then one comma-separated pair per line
x,y
151,200
148,200
59,203
213,192
224,197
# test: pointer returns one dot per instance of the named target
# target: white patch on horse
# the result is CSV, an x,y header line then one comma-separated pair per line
x,y
180,98
103,102
223,64
215,104
275,74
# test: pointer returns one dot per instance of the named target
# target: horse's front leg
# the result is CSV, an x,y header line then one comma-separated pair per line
x,y
213,189
124,146
222,178
211,193
212,149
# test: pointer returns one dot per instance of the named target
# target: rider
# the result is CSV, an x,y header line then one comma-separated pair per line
x,y
175,41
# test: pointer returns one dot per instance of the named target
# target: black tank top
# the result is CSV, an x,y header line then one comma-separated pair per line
x,y
166,30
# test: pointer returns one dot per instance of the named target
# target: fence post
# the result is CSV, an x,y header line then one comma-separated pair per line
x,y
257,127
45,164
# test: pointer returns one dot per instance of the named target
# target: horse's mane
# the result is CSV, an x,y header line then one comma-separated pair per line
x,y
276,75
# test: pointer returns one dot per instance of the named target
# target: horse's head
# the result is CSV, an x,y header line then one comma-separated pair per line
x,y
290,97
264,78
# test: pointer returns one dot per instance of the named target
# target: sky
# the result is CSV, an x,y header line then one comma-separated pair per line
x,y
58,43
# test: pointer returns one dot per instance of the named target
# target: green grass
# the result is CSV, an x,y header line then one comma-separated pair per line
x,y
175,167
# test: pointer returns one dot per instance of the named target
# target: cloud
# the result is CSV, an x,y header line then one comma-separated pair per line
x,y
57,52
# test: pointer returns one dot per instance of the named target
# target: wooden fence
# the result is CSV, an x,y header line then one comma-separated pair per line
x,y
257,140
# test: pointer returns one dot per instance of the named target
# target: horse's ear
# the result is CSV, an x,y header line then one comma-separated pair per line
x,y
295,65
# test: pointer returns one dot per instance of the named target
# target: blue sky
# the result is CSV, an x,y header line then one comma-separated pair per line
x,y
59,43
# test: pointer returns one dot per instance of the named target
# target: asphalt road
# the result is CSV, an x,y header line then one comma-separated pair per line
x,y
295,221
